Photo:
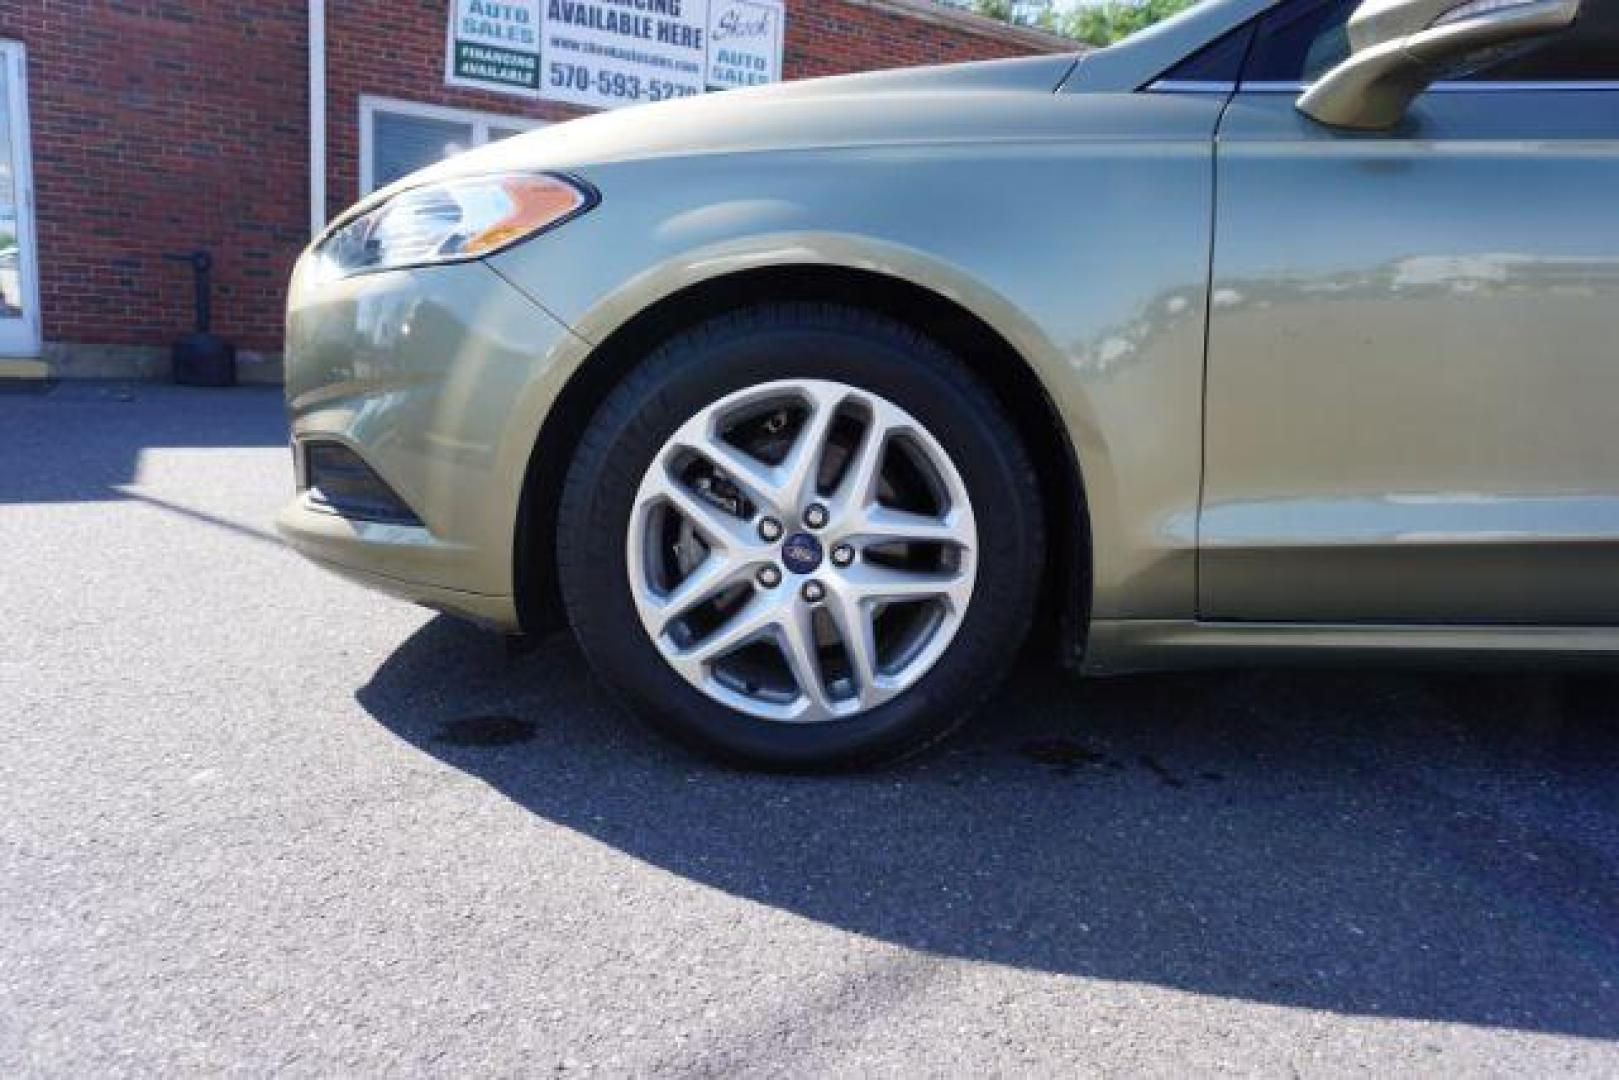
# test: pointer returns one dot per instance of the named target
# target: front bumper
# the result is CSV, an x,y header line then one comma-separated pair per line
x,y
439,379
497,612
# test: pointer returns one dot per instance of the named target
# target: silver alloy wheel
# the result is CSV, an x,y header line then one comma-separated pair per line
x,y
824,621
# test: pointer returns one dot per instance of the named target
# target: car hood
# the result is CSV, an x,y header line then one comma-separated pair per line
x,y
888,107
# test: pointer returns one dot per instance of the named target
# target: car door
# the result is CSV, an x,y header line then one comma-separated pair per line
x,y
1413,367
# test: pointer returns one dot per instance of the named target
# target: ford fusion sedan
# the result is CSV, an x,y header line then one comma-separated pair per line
x,y
1288,329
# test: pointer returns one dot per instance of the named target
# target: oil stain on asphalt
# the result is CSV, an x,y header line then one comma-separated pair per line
x,y
1065,757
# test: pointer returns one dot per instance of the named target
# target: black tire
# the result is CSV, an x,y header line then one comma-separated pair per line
x,y
735,351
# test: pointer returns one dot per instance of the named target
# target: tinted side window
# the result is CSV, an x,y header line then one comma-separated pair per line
x,y
1586,52
1300,41
1217,63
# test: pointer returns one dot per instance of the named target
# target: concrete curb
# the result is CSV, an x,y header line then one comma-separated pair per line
x,y
150,363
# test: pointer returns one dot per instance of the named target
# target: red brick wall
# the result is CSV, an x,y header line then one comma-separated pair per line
x,y
394,48
163,125
832,37
160,126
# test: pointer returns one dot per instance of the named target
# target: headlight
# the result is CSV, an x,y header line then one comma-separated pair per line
x,y
451,221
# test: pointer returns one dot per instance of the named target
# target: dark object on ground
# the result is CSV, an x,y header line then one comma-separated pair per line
x,y
203,358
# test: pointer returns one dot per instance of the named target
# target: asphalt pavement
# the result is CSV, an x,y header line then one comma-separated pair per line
x,y
256,819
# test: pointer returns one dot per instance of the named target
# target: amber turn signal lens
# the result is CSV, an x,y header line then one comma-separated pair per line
x,y
535,203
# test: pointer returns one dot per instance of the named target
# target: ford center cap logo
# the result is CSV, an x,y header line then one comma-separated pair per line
x,y
801,553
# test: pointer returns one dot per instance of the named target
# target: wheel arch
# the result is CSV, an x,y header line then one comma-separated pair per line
x,y
1064,615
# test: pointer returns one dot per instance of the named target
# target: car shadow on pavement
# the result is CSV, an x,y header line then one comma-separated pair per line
x,y
1434,846
82,441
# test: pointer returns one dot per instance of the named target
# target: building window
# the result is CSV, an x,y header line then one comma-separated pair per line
x,y
399,137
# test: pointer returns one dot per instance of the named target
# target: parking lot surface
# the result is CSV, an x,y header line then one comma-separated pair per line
x,y
255,818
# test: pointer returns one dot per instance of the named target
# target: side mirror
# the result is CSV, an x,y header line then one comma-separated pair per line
x,y
1398,47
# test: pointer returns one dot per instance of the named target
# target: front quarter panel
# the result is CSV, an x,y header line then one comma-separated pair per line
x,y
1077,226
423,373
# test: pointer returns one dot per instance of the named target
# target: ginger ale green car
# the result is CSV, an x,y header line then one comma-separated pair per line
x,y
1288,329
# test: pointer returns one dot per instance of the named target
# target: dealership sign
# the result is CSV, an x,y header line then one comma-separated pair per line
x,y
494,46
607,53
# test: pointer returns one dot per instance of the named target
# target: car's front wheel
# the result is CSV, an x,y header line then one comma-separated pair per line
x,y
801,536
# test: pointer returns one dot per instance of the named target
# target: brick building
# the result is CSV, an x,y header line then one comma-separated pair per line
x,y
132,129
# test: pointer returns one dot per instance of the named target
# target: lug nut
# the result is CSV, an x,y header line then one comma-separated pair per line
x,y
843,555
816,516
769,577
814,592
770,529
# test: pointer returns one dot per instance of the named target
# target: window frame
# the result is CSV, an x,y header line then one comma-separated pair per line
x,y
479,121
27,342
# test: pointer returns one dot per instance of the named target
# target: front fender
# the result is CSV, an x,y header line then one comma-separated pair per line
x,y
1089,257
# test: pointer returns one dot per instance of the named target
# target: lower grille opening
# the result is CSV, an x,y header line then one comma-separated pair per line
x,y
340,482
